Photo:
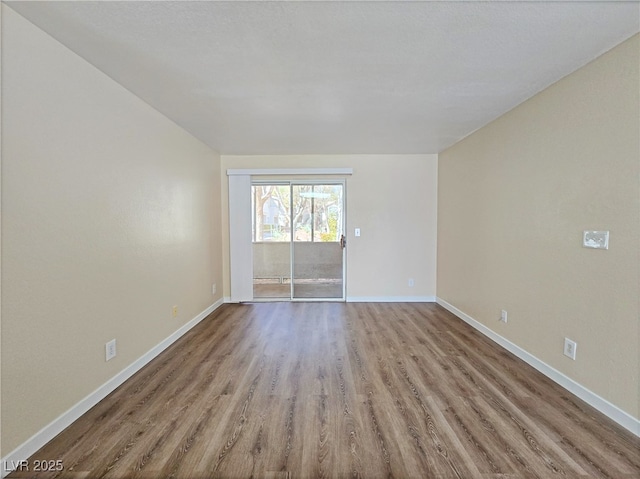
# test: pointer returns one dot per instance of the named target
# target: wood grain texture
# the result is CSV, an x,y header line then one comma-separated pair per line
x,y
332,390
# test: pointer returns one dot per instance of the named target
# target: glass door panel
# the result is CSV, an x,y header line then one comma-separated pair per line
x,y
271,230
317,214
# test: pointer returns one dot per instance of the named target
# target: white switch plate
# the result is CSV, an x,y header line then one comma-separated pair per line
x,y
357,231
595,239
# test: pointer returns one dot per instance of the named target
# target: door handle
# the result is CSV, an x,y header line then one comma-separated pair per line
x,y
343,242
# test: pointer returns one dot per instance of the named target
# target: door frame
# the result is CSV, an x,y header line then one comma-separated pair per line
x,y
274,180
240,244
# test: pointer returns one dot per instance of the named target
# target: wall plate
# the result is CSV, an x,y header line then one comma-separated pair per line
x,y
570,348
110,350
595,239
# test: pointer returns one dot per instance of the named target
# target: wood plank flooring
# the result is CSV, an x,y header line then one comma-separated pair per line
x,y
332,390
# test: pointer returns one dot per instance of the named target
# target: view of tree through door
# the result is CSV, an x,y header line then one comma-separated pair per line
x,y
298,240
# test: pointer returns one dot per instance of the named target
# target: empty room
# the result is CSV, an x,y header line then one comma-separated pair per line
x,y
296,239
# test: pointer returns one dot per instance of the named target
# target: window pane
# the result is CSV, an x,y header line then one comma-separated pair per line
x,y
327,213
302,213
270,205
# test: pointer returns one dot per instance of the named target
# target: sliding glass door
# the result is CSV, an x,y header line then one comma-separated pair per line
x,y
271,230
298,240
318,241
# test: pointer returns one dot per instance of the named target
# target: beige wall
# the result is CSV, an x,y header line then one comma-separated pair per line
x,y
392,198
110,216
513,201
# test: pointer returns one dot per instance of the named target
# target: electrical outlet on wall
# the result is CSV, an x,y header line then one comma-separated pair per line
x,y
503,316
213,289
570,348
174,311
110,350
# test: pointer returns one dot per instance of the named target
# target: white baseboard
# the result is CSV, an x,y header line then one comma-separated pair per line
x,y
35,442
608,409
391,299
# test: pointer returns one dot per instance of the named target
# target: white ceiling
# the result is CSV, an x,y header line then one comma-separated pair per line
x,y
335,77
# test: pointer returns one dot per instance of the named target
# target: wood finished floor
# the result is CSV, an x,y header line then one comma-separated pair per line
x,y
331,390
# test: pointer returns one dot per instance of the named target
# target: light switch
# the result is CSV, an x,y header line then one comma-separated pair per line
x,y
595,239
357,231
